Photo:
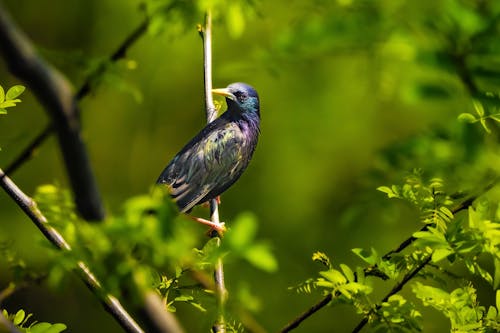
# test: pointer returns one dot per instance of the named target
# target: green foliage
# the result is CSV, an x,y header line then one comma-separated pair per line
x,y
481,116
240,242
21,320
428,197
457,241
9,99
461,307
397,315
180,15
148,245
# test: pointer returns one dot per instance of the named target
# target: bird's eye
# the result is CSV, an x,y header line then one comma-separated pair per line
x,y
241,96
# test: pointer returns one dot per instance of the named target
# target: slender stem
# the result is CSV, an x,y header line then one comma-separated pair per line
x,y
397,288
29,151
312,310
29,207
211,113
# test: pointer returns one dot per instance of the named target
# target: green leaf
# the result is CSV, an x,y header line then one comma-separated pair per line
x,y
496,279
14,92
467,118
334,276
40,327
235,20
19,317
242,232
478,106
3,111
2,94
440,254
387,190
347,272
8,103
261,257
322,258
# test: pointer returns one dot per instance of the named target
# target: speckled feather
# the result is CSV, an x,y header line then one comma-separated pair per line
x,y
217,156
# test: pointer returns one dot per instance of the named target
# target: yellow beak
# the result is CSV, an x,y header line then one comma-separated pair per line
x,y
223,92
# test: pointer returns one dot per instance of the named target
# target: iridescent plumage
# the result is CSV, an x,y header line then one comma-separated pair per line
x,y
217,156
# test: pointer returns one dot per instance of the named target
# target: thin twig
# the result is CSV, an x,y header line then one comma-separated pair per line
x,y
29,151
119,53
312,310
397,288
54,93
211,113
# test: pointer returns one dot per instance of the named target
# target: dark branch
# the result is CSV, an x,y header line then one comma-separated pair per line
x,y
54,93
312,310
29,151
397,288
119,53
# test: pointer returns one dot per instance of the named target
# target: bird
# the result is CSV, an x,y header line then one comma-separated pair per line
x,y
215,158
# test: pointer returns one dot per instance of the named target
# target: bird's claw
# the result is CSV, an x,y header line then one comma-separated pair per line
x,y
218,227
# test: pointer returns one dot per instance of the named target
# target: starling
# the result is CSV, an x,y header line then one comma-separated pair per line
x,y
217,156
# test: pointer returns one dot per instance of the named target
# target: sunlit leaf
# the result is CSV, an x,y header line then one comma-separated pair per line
x,y
14,92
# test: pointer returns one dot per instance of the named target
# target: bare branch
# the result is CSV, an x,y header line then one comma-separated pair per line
x,y
54,93
211,114
312,310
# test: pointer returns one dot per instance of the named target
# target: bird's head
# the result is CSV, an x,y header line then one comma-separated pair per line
x,y
240,97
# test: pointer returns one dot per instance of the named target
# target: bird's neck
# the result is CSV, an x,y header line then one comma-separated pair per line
x,y
248,121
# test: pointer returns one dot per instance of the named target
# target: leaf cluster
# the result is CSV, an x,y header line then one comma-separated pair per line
x,y
10,99
448,241
22,321
148,245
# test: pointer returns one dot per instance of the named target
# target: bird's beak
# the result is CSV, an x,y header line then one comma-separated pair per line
x,y
224,92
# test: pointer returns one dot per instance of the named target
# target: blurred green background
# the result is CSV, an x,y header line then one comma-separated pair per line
x,y
353,96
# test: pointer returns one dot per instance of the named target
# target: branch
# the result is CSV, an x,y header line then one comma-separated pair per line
x,y
119,53
407,242
312,310
397,288
84,91
54,93
211,114
165,322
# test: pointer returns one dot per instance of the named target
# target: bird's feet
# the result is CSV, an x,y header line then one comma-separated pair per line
x,y
220,227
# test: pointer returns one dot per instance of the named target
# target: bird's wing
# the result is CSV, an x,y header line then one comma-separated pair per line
x,y
209,164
